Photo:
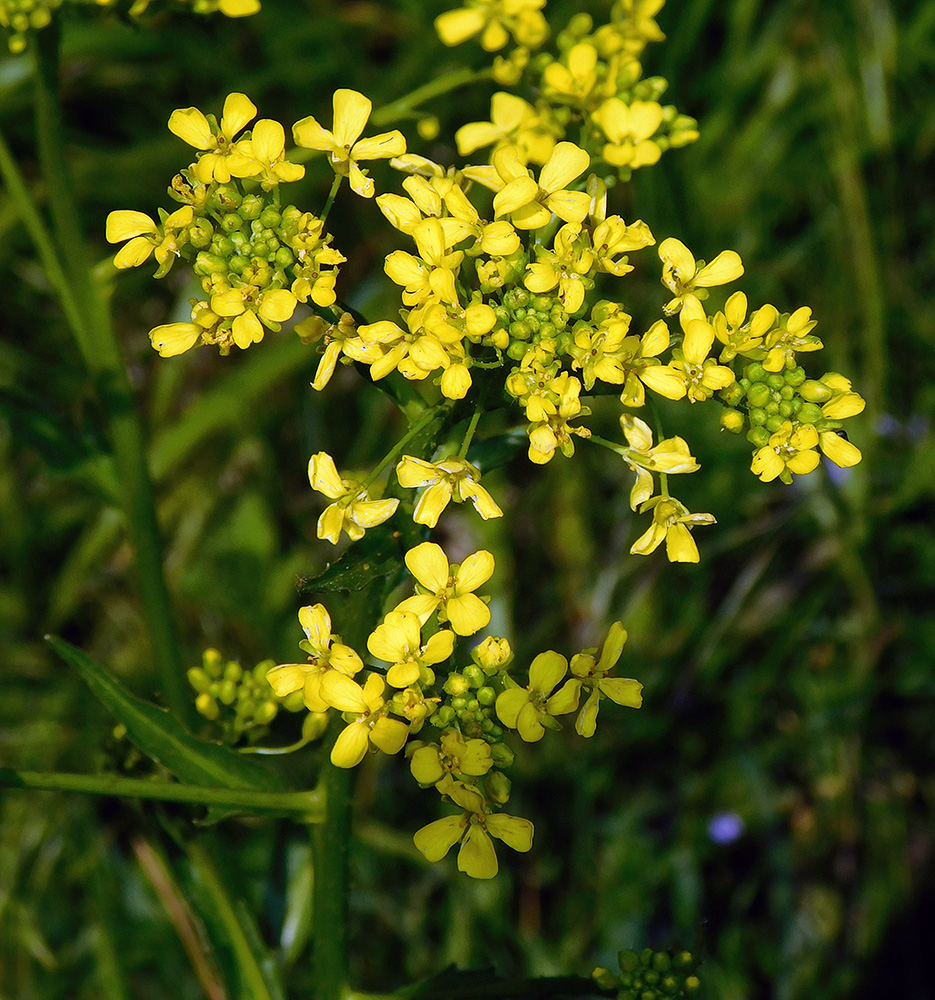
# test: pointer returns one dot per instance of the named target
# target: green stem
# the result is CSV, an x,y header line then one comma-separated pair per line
x,y
617,449
308,806
332,194
497,989
329,919
402,107
87,312
427,417
469,435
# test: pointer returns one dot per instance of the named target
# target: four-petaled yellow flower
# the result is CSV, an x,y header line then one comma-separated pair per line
x,y
790,450
512,121
671,455
687,279
531,710
367,716
473,830
248,306
146,237
398,641
325,652
453,758
671,522
530,204
353,511
495,21
592,674
344,145
452,597
222,157
629,130
451,479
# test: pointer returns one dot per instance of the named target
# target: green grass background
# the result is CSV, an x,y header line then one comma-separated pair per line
x,y
789,678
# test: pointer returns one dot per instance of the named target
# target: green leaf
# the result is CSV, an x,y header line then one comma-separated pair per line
x,y
160,735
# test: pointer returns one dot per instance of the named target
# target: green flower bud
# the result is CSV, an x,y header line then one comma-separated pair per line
x,y
498,786
815,392
758,437
199,679
314,725
516,351
207,263
231,222
629,960
251,207
604,978
207,706
757,416
486,695
755,372
758,395
227,692
774,422
233,671
809,413
502,755
775,381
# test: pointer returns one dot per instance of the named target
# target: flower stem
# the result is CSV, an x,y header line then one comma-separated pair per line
x,y
469,435
403,107
330,842
332,194
87,312
426,418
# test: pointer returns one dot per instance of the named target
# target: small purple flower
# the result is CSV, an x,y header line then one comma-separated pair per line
x,y
725,827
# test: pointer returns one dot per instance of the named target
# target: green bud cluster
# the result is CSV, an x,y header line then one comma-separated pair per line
x,y
763,401
468,702
531,320
17,17
240,701
651,975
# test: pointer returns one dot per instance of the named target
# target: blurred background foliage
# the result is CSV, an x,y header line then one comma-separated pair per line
x,y
772,806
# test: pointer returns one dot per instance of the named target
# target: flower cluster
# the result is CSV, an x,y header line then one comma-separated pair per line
x,y
256,259
419,674
18,17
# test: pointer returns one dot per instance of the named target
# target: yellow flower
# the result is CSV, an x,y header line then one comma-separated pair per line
x,y
687,279
452,597
454,758
591,673
353,510
432,273
612,237
793,333
838,449
570,261
669,456
248,306
553,432
513,122
171,339
397,640
494,21
326,652
452,478
573,84
737,335
369,722
531,709
221,158
146,237
530,204
790,450
266,147
671,522
473,830
344,145
691,372
629,130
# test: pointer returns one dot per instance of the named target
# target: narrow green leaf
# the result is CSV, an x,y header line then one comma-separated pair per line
x,y
160,735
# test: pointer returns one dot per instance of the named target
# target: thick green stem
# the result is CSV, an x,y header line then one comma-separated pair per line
x,y
308,806
87,311
330,841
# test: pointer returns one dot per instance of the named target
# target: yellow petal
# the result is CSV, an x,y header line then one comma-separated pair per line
x,y
468,614
269,140
437,839
350,747
426,767
191,126
514,831
124,225
342,693
323,476
566,163
839,450
380,147
351,111
311,135
546,670
389,735
509,703
316,623
680,546
725,267
174,338
429,565
238,111
134,253
475,571
623,690
277,305
477,856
